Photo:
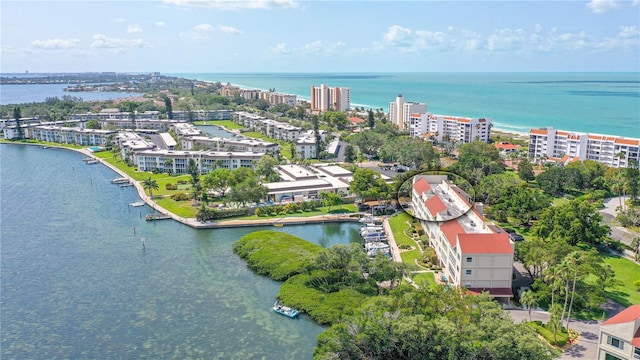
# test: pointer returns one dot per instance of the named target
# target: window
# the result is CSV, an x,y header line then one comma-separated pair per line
x,y
636,353
611,357
615,342
468,272
469,259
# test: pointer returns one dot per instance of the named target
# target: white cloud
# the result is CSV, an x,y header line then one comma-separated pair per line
x,y
55,44
132,29
229,30
200,32
120,20
203,32
233,4
103,42
397,34
627,32
281,48
603,6
319,47
161,24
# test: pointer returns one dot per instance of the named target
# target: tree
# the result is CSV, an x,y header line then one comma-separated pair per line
x,y
367,183
555,320
635,247
150,185
330,199
218,180
371,120
266,167
93,124
574,222
131,106
168,106
349,154
336,119
316,132
632,175
248,191
17,115
525,170
529,300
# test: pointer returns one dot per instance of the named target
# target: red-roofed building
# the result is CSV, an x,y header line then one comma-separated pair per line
x,y
620,336
472,252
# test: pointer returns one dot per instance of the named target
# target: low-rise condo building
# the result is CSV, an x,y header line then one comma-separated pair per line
x,y
176,161
620,336
71,135
229,144
201,115
454,128
551,145
472,252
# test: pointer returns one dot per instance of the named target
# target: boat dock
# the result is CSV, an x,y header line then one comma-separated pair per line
x,y
157,216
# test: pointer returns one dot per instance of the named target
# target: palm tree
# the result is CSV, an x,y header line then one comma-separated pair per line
x,y
529,299
150,184
635,246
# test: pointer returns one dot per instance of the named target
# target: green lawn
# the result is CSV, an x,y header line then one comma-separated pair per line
x,y
627,272
424,278
345,209
398,224
228,124
257,135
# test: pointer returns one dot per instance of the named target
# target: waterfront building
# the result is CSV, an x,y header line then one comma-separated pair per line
x,y
301,183
277,98
454,128
131,143
71,135
559,146
325,98
202,115
176,162
230,90
400,111
274,129
473,252
620,336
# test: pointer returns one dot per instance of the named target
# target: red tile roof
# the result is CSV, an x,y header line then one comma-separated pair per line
x,y
355,120
485,243
627,315
538,131
507,146
435,205
496,292
421,185
451,229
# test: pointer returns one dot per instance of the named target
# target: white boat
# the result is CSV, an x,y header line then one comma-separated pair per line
x,y
137,203
119,180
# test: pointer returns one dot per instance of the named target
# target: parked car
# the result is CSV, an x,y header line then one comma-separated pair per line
x,y
363,207
516,237
509,230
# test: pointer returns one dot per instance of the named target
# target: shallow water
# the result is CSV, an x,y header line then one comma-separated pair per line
x,y
77,284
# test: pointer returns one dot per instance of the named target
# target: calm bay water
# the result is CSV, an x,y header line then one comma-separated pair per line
x,y
606,103
76,283
19,94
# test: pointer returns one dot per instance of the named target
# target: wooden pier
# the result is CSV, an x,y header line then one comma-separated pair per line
x,y
157,216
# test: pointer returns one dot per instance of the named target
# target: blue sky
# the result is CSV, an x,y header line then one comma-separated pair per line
x,y
189,36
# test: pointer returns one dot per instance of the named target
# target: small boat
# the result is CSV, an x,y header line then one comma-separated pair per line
x,y
119,180
285,310
137,203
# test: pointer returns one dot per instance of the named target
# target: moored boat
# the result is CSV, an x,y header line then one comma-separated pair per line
x,y
285,310
137,203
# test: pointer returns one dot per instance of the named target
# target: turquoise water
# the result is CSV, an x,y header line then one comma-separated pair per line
x,y
607,103
18,94
77,285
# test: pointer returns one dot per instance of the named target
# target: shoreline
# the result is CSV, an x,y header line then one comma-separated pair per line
x,y
192,222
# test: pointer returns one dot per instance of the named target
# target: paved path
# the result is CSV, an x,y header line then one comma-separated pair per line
x,y
586,347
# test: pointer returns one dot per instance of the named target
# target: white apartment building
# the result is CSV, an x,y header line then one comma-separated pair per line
x,y
177,162
549,144
71,135
278,98
454,128
272,128
620,336
400,111
473,253
229,144
325,98
202,115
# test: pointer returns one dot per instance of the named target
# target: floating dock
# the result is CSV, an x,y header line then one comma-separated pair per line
x,y
157,216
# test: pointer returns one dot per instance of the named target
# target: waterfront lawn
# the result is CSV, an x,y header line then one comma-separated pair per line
x,y
257,135
183,209
627,272
399,225
323,210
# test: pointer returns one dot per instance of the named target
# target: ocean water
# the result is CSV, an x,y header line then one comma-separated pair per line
x,y
76,283
605,103
27,93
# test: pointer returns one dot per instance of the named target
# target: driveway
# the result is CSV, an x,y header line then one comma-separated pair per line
x,y
619,233
586,347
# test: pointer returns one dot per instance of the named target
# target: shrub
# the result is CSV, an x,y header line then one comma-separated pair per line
x,y
170,186
561,336
213,214
180,197
636,284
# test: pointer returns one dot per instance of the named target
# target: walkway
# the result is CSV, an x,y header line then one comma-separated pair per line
x,y
586,347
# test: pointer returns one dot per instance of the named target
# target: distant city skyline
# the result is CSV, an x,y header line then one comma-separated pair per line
x,y
191,36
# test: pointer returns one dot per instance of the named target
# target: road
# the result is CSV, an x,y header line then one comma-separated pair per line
x,y
586,347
